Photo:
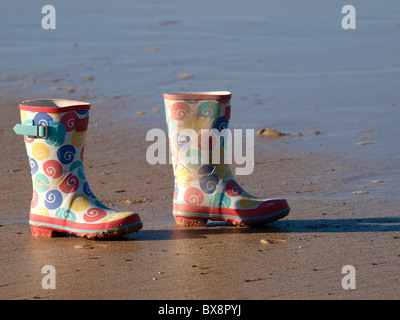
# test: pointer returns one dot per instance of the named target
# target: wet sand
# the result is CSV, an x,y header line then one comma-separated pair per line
x,y
299,257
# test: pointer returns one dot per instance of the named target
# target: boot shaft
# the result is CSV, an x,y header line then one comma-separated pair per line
x,y
194,121
54,140
208,110
55,132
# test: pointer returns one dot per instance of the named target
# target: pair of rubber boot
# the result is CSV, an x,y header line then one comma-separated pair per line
x,y
62,203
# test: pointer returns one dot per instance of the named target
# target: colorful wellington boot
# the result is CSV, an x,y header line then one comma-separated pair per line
x,y
62,202
209,191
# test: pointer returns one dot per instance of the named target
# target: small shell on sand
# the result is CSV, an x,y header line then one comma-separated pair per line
x,y
359,192
268,241
271,133
185,76
314,132
85,246
363,143
134,201
140,112
376,181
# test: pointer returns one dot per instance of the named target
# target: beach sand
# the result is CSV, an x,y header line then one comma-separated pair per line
x,y
299,257
287,70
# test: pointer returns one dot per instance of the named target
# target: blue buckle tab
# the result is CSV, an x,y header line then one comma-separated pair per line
x,y
54,131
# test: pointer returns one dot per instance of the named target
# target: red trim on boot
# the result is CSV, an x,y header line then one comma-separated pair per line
x,y
219,96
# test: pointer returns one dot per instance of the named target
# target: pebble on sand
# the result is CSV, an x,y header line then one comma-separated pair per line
x,y
85,246
314,132
363,143
359,192
185,76
134,201
271,133
140,112
267,241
